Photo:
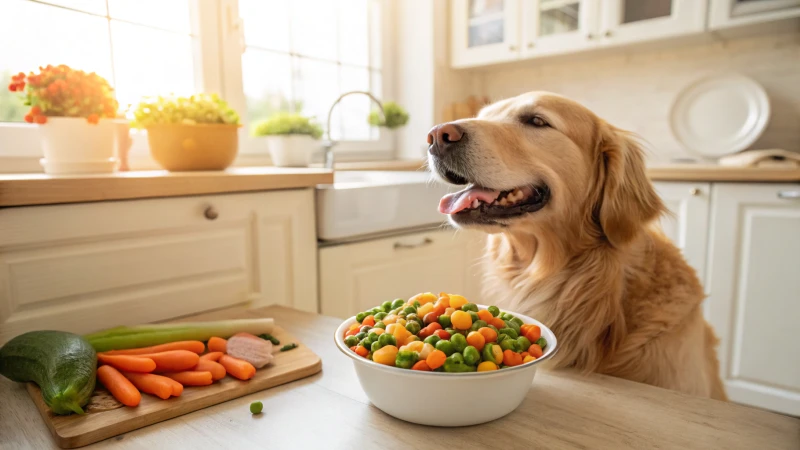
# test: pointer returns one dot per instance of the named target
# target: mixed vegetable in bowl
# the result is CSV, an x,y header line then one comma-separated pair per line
x,y
443,333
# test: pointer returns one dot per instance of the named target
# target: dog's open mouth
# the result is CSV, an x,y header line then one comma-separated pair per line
x,y
489,203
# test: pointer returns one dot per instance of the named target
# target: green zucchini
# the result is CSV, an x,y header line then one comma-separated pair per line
x,y
64,365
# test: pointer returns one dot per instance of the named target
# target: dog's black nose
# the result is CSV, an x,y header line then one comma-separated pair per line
x,y
442,136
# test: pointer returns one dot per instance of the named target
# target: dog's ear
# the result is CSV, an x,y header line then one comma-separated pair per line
x,y
628,200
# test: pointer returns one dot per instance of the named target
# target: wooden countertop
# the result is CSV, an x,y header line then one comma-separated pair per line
x,y
41,189
561,410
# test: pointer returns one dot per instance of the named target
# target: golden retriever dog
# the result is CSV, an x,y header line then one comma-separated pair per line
x,y
571,214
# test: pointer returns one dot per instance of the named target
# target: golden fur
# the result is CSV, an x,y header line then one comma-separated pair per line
x,y
591,264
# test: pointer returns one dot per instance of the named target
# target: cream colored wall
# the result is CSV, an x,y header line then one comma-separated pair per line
x,y
634,89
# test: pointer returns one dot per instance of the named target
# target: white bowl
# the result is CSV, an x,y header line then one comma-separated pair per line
x,y
446,399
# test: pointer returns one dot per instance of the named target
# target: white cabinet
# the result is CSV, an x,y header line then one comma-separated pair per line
x,y
358,276
730,13
629,21
687,223
551,27
484,31
90,266
754,284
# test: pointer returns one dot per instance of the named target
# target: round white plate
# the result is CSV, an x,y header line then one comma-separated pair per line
x,y
720,115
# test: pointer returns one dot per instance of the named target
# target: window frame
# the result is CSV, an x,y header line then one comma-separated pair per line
x,y
217,54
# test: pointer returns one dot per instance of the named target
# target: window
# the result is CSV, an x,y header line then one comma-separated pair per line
x,y
283,55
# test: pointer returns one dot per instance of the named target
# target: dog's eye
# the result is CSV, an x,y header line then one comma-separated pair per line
x,y
536,121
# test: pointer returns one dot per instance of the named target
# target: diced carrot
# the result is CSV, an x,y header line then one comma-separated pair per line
x,y
151,383
362,351
119,386
485,315
238,368
192,346
217,344
191,378
174,360
216,369
128,363
421,365
535,350
212,356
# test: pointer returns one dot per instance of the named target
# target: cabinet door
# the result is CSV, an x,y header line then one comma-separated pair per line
x,y
358,276
628,21
754,301
558,26
687,225
484,31
728,13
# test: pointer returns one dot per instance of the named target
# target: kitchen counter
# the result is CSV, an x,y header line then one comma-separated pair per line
x,y
329,410
41,189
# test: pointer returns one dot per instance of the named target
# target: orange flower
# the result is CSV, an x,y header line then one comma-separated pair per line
x,y
12,87
28,118
40,119
35,110
93,119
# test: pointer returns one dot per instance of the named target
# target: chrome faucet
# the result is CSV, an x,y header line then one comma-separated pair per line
x,y
330,143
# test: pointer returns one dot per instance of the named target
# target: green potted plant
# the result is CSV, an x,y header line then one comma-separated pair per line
x,y
394,116
292,139
75,113
199,132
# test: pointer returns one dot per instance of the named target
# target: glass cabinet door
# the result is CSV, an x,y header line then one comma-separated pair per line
x,y
558,25
484,31
643,20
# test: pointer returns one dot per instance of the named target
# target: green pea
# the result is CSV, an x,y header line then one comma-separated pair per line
x,y
256,407
351,341
360,317
455,363
380,325
450,331
510,344
387,339
375,346
416,304
478,324
444,321
518,321
445,346
459,342
432,339
494,328
401,315
398,302
406,359
380,316
502,337
395,311
524,343
494,310
542,342
365,329
386,306
366,343
471,355
513,326
470,307
487,353
510,332
506,316
413,327
410,310
361,335
375,310
474,316
371,338
456,357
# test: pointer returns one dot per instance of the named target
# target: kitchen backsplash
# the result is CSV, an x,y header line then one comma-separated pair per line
x,y
635,89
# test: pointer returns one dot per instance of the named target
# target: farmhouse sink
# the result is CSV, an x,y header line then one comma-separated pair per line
x,y
360,203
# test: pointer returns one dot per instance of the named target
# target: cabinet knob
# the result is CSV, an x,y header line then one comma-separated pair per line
x,y
608,33
789,195
211,213
694,191
512,48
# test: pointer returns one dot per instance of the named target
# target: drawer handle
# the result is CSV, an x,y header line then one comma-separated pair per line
x,y
401,246
694,191
789,195
211,213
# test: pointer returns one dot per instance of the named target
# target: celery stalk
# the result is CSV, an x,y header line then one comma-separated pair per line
x,y
121,338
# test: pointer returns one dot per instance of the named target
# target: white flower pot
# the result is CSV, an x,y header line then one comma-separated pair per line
x,y
73,145
292,150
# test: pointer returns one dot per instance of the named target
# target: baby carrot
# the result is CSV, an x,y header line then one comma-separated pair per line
x,y
191,378
212,356
174,360
216,344
238,368
151,383
192,346
128,363
177,388
216,369
119,386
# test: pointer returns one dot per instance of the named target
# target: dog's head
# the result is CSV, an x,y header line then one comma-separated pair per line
x,y
540,159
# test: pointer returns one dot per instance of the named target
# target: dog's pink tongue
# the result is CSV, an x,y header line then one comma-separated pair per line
x,y
461,200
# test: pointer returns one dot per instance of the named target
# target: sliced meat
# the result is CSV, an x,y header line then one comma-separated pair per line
x,y
250,348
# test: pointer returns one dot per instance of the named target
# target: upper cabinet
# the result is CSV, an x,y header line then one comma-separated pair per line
x,y
630,21
731,13
484,31
557,26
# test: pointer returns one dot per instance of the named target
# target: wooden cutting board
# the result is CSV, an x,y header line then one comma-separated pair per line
x,y
76,431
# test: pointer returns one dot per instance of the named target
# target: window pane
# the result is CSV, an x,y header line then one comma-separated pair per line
x,y
375,33
170,15
646,9
376,87
561,19
313,28
266,23
267,80
62,37
354,109
354,32
316,86
92,6
151,62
